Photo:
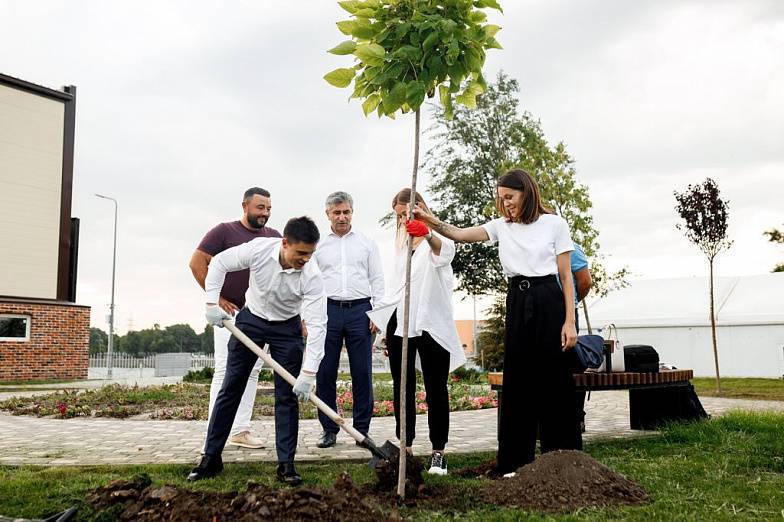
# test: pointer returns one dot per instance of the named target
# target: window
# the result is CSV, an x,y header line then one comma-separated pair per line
x,y
14,328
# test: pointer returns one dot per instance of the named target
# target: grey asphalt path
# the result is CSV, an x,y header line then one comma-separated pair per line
x,y
52,442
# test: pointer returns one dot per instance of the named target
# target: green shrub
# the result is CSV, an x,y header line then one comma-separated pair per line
x,y
201,376
467,375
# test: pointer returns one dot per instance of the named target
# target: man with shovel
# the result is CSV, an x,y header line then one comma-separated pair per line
x,y
283,285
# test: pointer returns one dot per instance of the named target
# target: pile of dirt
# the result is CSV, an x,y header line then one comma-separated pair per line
x,y
561,481
387,473
137,499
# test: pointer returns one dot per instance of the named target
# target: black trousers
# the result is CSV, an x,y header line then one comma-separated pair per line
x,y
435,372
286,348
538,389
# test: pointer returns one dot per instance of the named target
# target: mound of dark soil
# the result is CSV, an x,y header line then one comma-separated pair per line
x,y
564,481
136,499
387,476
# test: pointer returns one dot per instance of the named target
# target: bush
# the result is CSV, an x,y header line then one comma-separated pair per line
x,y
201,376
266,375
467,375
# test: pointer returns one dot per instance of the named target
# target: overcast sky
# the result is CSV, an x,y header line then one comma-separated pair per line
x,y
181,106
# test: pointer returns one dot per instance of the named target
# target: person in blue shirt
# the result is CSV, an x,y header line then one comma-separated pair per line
x,y
582,285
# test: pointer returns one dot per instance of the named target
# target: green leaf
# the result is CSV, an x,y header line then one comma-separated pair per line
x,y
477,16
474,60
394,99
346,47
371,54
446,101
467,98
457,72
493,4
350,6
371,103
491,30
492,43
340,77
346,26
366,13
408,52
430,41
415,94
363,29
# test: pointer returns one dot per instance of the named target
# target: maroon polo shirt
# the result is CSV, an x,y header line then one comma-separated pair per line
x,y
227,235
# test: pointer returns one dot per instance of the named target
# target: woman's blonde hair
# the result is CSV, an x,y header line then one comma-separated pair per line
x,y
519,179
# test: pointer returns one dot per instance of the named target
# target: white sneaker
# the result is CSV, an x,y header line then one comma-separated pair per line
x,y
437,464
245,440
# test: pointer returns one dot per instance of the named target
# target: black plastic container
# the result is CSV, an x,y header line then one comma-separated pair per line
x,y
640,358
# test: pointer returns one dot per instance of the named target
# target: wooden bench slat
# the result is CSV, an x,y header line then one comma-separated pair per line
x,y
621,380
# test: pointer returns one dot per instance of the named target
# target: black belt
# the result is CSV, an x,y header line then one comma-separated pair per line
x,y
523,283
349,303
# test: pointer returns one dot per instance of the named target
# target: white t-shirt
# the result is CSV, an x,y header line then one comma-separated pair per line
x,y
530,250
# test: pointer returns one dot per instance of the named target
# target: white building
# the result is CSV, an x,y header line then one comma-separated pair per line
x,y
672,315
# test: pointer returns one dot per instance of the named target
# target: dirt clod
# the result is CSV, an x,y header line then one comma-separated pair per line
x,y
141,501
561,481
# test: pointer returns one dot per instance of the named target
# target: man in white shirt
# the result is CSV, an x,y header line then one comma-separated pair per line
x,y
283,285
353,279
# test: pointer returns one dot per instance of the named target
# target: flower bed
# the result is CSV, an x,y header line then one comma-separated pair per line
x,y
191,401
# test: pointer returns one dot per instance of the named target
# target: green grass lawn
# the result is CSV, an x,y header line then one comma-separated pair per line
x,y
741,388
726,468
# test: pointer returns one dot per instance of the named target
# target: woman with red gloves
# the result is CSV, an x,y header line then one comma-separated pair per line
x,y
538,393
434,346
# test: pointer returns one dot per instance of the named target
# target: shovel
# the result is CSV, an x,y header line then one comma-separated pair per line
x,y
384,452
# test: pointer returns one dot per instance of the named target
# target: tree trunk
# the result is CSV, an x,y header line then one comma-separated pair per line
x,y
401,481
713,330
587,320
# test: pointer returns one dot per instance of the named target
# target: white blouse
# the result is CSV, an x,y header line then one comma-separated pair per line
x,y
432,283
530,250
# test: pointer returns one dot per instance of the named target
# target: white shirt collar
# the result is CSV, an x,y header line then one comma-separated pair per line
x,y
275,254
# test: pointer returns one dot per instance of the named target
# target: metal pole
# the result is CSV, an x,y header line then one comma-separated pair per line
x,y
109,359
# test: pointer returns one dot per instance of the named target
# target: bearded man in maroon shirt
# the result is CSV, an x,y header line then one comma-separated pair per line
x,y
256,209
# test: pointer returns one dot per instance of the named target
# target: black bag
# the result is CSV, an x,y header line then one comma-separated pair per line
x,y
640,358
590,351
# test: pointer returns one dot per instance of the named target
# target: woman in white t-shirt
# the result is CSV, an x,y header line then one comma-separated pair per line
x,y
434,346
538,392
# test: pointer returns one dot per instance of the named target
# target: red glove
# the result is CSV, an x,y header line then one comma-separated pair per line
x,y
417,228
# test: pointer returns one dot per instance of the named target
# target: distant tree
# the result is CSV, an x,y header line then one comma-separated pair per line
x,y
776,236
99,341
183,337
207,340
705,220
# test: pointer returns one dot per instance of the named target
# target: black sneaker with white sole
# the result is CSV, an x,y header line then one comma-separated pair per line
x,y
437,463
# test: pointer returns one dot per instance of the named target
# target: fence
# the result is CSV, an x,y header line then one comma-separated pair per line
x,y
124,360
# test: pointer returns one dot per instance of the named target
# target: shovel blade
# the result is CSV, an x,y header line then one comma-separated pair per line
x,y
383,453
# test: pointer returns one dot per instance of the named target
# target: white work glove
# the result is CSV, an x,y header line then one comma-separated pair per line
x,y
304,385
215,315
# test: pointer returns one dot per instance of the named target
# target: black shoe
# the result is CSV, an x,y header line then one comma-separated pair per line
x,y
327,440
287,474
437,464
209,466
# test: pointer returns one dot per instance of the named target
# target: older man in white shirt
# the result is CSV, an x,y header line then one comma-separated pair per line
x,y
353,279
283,285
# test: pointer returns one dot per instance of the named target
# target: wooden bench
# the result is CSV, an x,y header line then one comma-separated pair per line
x,y
654,398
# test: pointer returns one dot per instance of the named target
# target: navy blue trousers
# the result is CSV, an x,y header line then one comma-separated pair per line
x,y
352,325
286,347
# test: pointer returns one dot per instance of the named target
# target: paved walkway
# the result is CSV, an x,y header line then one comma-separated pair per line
x,y
52,442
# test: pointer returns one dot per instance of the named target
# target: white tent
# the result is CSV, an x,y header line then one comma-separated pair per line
x,y
672,315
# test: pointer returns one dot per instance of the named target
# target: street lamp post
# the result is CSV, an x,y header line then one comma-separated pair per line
x,y
111,306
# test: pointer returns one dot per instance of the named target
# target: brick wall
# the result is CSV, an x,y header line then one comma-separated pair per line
x,y
59,342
